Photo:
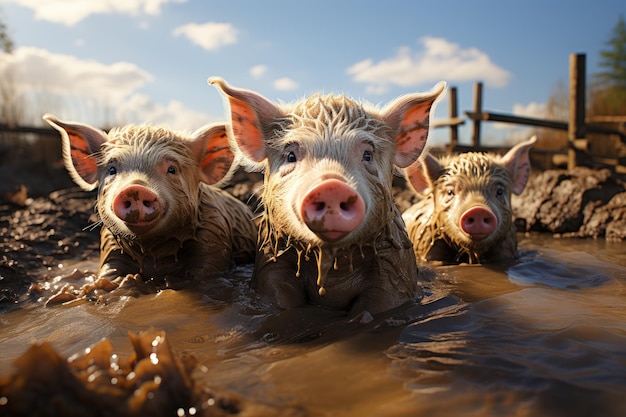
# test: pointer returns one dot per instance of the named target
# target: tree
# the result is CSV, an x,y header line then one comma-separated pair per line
x,y
613,59
608,93
10,105
6,44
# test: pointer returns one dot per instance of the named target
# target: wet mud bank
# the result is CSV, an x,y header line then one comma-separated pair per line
x,y
39,234
577,203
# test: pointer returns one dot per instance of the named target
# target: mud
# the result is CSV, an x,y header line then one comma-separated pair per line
x,y
579,203
100,383
40,235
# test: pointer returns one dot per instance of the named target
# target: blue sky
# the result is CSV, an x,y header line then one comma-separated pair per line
x,y
131,61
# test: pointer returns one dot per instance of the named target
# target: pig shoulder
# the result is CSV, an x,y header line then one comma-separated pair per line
x,y
428,243
224,218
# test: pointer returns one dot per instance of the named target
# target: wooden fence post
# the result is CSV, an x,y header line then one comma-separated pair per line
x,y
478,109
577,88
454,113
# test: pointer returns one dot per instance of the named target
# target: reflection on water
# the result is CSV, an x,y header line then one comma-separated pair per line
x,y
545,336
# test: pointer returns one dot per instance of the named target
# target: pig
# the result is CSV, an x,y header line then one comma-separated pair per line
x,y
162,216
465,214
330,233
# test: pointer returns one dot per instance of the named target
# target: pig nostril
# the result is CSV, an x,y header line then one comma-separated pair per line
x,y
147,203
320,206
127,204
344,206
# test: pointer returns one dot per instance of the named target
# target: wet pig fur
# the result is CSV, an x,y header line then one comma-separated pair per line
x,y
161,216
465,213
331,233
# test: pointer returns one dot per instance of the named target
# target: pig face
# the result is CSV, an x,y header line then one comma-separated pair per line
x,y
328,160
470,196
148,178
329,186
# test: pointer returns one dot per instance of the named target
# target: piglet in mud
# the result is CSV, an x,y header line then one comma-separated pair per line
x,y
331,233
465,215
160,218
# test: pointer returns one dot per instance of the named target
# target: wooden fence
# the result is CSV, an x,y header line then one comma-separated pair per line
x,y
577,127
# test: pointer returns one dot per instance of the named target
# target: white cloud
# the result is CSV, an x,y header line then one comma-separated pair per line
x,y
88,90
140,108
258,71
533,109
439,60
70,12
285,84
66,74
210,35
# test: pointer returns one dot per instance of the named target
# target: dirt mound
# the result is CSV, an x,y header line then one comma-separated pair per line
x,y
578,203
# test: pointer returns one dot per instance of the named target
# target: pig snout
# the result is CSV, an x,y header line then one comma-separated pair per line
x,y
478,222
332,209
137,205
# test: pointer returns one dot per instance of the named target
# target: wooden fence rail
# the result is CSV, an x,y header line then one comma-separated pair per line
x,y
577,126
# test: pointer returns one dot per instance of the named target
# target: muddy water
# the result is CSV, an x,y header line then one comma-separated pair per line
x,y
545,336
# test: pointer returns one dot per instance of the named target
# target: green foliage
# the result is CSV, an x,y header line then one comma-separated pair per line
x,y
608,95
613,59
6,44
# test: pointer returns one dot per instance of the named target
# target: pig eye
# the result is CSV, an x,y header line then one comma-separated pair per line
x,y
450,191
500,192
291,157
171,169
112,171
367,156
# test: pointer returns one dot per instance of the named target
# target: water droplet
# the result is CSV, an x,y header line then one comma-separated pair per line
x,y
156,341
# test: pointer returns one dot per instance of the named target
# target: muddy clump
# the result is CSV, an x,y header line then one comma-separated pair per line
x,y
582,202
153,381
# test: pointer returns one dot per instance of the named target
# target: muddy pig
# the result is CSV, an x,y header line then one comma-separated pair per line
x,y
161,217
331,233
465,214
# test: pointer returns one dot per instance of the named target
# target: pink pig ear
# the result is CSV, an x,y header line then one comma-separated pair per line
x,y
423,173
409,115
517,162
212,148
250,114
80,143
